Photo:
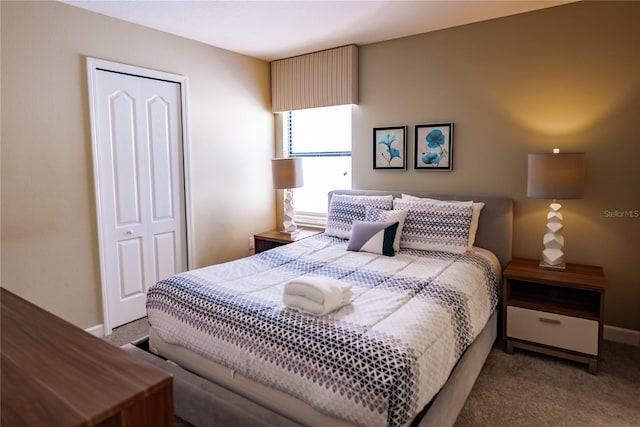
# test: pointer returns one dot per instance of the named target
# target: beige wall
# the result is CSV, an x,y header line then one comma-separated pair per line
x,y
567,77
49,231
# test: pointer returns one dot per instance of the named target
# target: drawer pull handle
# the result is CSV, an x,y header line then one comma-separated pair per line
x,y
547,320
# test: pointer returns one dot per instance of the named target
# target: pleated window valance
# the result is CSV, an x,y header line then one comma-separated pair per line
x,y
319,79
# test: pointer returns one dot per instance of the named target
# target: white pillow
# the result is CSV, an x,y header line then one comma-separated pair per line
x,y
477,207
437,226
382,215
345,208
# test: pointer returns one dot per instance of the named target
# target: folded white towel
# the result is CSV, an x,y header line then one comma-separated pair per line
x,y
316,295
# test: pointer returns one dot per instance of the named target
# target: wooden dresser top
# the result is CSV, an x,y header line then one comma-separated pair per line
x,y
54,373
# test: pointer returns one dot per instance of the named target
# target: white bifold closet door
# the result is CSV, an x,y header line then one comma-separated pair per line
x,y
138,150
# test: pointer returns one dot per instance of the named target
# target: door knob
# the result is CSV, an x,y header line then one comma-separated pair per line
x,y
129,232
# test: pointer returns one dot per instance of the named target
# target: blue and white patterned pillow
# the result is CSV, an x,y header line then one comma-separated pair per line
x,y
475,218
344,209
374,237
435,226
381,215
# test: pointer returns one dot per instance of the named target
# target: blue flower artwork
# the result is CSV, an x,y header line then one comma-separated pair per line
x,y
389,145
433,146
430,158
392,152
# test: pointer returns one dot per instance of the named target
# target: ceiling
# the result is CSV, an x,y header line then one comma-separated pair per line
x,y
271,30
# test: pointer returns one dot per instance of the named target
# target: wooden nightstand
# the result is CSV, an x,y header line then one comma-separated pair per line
x,y
559,313
274,238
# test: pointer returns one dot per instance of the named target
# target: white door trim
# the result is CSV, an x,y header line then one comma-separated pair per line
x,y
93,65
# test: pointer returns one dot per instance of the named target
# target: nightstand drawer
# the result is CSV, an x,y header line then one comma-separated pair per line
x,y
571,333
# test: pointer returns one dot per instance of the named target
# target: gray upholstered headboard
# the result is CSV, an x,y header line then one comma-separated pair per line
x,y
495,227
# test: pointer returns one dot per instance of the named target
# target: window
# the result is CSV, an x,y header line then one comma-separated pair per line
x,y
322,137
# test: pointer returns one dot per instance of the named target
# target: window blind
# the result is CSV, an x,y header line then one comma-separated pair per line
x,y
319,79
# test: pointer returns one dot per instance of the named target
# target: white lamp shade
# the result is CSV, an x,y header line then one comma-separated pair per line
x,y
556,176
287,172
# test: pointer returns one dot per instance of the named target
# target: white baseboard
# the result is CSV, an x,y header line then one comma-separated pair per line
x,y
621,335
97,330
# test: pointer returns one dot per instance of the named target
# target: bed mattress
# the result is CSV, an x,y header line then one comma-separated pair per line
x,y
376,361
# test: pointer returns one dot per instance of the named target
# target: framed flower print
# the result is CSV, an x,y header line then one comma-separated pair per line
x,y
390,147
434,147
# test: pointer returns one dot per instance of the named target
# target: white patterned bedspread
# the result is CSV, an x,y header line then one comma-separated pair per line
x,y
377,361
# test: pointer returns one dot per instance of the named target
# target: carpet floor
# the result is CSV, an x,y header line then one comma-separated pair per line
x,y
530,389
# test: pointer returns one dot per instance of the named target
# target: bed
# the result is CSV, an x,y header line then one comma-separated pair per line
x,y
404,350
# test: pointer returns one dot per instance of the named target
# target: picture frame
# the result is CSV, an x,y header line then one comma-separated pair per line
x,y
433,147
390,147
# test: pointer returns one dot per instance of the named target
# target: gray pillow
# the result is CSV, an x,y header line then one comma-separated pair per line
x,y
382,215
374,237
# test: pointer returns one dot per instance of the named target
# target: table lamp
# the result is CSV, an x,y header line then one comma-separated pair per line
x,y
287,174
555,176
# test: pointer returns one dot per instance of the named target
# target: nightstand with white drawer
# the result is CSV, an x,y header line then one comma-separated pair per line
x,y
554,312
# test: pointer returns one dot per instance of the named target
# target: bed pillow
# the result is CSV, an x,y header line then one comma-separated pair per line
x,y
477,208
434,226
381,215
344,209
374,237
